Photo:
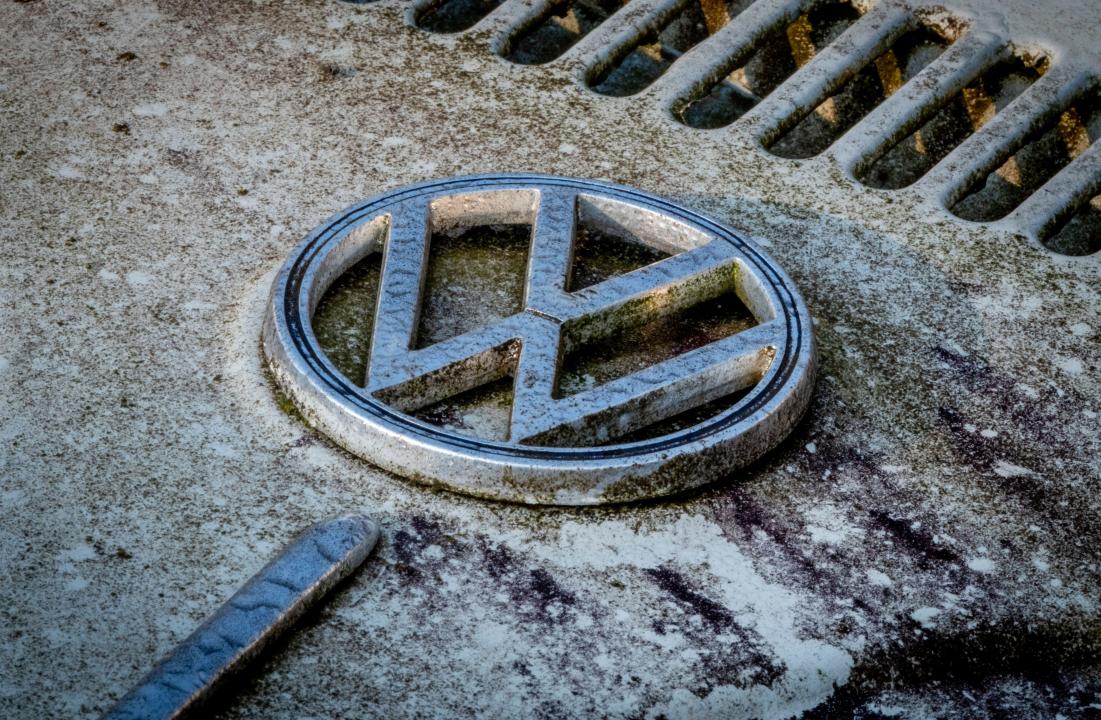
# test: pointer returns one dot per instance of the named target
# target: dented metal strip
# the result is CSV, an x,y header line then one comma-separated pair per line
x,y
273,600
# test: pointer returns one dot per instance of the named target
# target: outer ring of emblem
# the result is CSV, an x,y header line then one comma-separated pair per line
x,y
712,450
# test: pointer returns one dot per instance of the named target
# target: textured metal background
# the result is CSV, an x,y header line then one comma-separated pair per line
x,y
924,544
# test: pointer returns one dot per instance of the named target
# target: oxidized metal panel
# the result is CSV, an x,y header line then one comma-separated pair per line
x,y
923,544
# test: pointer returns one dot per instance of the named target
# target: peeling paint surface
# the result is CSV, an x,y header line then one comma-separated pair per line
x,y
923,545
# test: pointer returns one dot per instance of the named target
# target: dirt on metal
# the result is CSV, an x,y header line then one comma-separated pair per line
x,y
924,544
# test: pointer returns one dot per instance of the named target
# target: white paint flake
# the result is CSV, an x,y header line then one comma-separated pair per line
x,y
812,668
1009,470
924,616
876,577
155,109
827,525
1028,391
68,172
981,564
1071,366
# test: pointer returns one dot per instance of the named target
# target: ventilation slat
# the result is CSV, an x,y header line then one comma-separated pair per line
x,y
656,53
901,96
1080,234
906,110
615,37
1040,155
869,36
895,68
512,20
1044,212
546,29
996,141
450,16
766,64
719,55
955,120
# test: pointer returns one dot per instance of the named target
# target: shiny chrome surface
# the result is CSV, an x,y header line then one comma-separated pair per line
x,y
560,450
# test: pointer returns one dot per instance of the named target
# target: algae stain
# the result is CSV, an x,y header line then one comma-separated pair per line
x,y
344,319
475,277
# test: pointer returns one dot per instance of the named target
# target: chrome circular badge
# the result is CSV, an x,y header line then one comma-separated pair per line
x,y
636,348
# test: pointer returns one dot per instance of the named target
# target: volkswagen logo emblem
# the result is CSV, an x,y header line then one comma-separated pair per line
x,y
580,448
